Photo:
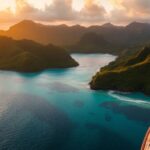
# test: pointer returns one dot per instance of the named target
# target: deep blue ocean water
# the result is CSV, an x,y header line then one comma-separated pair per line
x,y
56,110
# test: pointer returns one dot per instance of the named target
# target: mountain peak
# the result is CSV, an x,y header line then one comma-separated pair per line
x,y
23,23
108,25
137,24
26,22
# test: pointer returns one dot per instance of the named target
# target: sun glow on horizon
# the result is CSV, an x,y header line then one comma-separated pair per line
x,y
11,5
70,12
78,4
40,4
8,5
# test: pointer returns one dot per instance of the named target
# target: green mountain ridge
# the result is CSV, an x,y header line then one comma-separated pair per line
x,y
128,75
29,56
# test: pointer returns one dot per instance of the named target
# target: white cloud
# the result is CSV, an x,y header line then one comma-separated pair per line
x,y
92,12
126,11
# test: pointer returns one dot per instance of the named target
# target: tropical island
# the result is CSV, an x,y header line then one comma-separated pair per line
x,y
29,56
129,73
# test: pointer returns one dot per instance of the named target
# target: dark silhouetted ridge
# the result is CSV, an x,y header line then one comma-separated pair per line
x,y
29,56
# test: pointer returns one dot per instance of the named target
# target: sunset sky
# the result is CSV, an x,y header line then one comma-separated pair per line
x,y
84,12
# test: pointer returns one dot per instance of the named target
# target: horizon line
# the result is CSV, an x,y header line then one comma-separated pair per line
x,y
72,25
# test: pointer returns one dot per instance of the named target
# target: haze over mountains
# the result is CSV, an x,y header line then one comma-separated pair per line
x,y
109,36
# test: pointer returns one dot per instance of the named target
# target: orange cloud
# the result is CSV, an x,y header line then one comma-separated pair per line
x,y
58,10
130,10
6,16
91,12
92,7
135,6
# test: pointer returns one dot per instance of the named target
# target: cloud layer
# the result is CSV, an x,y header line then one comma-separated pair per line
x,y
130,10
92,12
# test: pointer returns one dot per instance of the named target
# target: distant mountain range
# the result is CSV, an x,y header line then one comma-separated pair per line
x,y
107,38
57,35
29,56
92,43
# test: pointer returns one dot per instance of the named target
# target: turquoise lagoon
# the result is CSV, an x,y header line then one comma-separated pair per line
x,y
56,110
